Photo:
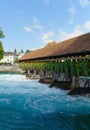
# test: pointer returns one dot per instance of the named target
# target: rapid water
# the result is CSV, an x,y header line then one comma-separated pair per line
x,y
28,105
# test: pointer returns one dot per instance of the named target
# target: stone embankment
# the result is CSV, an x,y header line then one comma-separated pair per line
x,y
10,68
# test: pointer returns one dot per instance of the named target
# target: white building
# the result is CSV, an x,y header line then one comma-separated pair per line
x,y
20,54
9,57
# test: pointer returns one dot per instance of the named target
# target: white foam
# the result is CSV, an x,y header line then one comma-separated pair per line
x,y
15,77
38,96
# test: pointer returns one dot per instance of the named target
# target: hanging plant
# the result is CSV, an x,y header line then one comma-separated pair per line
x,y
61,67
85,68
66,68
78,68
72,68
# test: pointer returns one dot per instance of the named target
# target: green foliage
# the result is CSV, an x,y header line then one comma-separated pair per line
x,y
28,51
1,47
85,68
1,51
32,65
79,68
22,51
1,33
16,60
15,51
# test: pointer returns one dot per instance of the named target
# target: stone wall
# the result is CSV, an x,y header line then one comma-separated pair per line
x,y
10,68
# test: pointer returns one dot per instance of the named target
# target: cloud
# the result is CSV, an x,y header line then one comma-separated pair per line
x,y
78,30
36,24
84,3
46,37
47,2
35,20
63,35
72,12
87,25
28,29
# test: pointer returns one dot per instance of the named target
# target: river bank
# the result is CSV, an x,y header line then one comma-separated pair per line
x,y
10,68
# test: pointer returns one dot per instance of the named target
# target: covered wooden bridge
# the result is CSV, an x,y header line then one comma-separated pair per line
x,y
64,61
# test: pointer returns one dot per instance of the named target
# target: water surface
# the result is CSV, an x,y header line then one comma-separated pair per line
x,y
28,105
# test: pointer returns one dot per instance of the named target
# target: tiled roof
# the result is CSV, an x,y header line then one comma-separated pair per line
x,y
9,53
74,45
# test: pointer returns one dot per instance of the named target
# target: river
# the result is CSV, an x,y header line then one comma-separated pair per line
x,y
28,105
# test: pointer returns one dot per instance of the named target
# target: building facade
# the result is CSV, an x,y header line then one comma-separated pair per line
x,y
8,58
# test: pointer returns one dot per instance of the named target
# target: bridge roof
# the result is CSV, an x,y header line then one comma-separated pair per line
x,y
75,46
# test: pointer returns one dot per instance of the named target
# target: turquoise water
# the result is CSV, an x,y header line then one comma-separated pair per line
x,y
28,105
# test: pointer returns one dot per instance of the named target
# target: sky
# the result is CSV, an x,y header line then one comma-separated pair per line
x,y
31,24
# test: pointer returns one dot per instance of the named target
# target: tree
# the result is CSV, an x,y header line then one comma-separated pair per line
x,y
15,51
22,51
1,33
1,47
16,60
27,51
1,50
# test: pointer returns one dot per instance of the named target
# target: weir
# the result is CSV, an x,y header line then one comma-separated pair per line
x,y
61,64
